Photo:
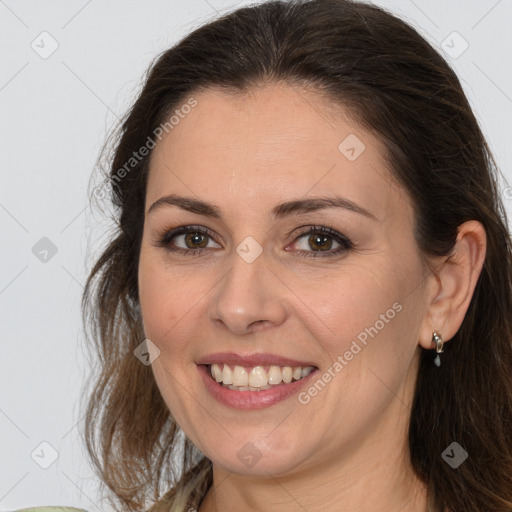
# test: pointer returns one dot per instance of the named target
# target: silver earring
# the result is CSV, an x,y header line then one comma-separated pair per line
x,y
438,341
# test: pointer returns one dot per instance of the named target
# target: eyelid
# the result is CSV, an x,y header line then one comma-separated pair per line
x,y
345,243
167,235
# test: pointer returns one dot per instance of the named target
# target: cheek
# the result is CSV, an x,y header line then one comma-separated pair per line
x,y
370,318
356,304
370,345
168,304
168,299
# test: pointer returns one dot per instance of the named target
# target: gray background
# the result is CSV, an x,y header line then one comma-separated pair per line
x,y
55,112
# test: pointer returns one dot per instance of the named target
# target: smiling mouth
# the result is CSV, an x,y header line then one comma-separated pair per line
x,y
256,378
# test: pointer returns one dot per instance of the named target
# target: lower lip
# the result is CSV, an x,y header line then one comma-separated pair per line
x,y
251,399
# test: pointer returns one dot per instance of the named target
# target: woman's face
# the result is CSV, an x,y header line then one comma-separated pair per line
x,y
264,291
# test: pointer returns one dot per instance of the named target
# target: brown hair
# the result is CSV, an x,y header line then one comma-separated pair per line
x,y
397,86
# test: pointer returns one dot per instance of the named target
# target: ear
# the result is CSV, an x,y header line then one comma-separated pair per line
x,y
452,284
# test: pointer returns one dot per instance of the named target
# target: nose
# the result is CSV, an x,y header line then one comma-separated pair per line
x,y
249,297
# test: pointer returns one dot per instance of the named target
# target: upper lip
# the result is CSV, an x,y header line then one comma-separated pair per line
x,y
258,359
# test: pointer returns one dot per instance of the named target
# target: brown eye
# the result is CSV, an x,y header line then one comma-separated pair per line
x,y
191,239
320,239
320,242
186,240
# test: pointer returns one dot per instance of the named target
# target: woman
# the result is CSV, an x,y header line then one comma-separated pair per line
x,y
307,304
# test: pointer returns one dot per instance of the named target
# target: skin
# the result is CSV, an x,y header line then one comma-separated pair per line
x,y
348,444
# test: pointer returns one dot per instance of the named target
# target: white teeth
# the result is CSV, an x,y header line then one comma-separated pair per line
x,y
257,378
227,375
287,374
274,375
305,371
240,376
216,372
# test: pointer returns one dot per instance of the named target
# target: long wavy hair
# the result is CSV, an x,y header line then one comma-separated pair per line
x,y
399,87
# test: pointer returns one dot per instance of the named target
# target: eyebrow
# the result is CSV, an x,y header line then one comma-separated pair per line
x,y
280,211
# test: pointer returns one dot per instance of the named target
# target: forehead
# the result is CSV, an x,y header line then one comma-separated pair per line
x,y
270,144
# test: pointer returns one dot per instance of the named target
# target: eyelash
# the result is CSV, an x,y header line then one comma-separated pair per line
x,y
164,240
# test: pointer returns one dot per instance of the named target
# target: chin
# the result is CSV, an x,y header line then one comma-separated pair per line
x,y
256,455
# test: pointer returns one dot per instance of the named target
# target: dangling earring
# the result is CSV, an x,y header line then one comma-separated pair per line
x,y
438,341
